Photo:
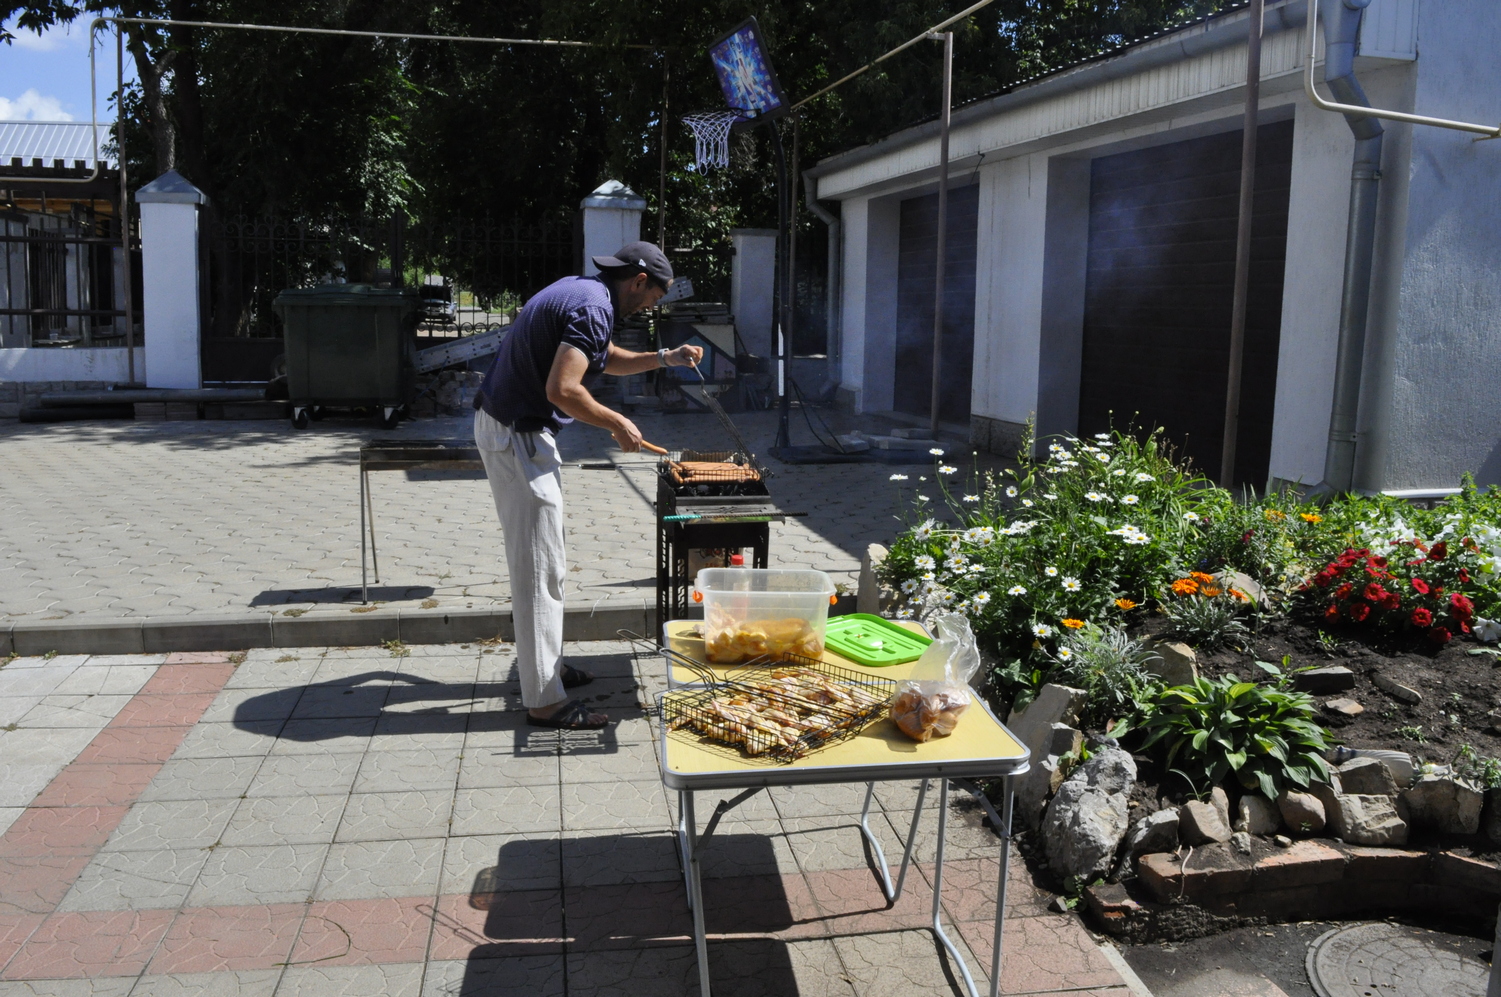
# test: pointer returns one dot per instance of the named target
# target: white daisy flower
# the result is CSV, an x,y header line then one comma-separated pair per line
x,y
1096,497
1102,436
946,469
1016,590
1089,449
1144,476
924,530
1071,585
924,561
936,452
1041,630
898,477
1054,447
1137,539
948,598
928,576
909,586
1129,500
1117,473
1049,495
971,498
1103,458
1064,654
923,498
904,614
1192,517
1050,571
956,563
981,600
1011,491
1027,503
922,477
976,568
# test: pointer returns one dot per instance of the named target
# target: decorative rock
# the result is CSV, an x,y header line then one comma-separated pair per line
x,y
1176,663
1441,803
1247,585
1199,823
1283,841
1366,819
1397,690
1257,815
1055,704
1156,832
1399,762
1324,681
1220,800
1241,842
1301,812
1344,707
1058,742
1087,818
1367,777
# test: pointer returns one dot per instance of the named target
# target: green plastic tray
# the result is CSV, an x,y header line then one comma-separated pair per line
x,y
870,640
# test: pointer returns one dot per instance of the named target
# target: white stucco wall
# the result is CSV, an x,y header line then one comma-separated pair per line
x,y
48,364
171,295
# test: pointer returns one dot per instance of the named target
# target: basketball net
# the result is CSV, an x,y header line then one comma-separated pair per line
x,y
711,137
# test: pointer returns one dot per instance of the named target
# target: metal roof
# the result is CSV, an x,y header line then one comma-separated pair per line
x,y
51,140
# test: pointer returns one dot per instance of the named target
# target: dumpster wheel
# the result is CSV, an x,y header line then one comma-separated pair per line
x,y
390,416
299,417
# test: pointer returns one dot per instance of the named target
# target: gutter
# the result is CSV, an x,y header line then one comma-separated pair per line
x,y
1188,43
835,305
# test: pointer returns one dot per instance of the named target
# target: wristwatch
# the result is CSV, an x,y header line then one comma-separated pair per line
x,y
662,357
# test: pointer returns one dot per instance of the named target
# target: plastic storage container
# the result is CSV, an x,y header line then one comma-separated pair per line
x,y
763,613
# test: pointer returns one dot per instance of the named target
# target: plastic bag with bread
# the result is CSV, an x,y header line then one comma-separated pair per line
x,y
930,703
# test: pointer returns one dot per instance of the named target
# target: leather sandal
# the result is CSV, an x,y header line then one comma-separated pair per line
x,y
573,677
575,715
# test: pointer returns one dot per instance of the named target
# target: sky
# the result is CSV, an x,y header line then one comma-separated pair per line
x,y
46,78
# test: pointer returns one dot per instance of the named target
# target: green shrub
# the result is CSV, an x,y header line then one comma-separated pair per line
x,y
1263,735
1206,622
1111,666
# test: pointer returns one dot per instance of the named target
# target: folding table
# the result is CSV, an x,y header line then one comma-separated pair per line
x,y
980,747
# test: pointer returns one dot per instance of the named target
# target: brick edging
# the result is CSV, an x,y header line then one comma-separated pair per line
x,y
1312,880
344,628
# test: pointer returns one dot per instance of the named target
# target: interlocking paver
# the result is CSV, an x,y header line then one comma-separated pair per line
x,y
390,868
352,981
389,816
203,778
159,879
294,775
291,820
241,983
236,875
405,769
513,976
487,863
507,810
150,826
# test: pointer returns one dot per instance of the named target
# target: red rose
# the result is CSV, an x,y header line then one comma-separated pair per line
x,y
1439,635
1421,618
1332,613
1419,586
1463,607
1374,592
1359,611
1392,601
1438,553
1324,578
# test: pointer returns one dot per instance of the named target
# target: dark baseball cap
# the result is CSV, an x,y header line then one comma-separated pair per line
x,y
643,256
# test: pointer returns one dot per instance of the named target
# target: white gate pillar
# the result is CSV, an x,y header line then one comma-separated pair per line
x,y
172,280
612,218
753,286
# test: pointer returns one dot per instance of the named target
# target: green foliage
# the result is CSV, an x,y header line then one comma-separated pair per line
x,y
1412,732
1264,736
1108,664
1482,770
1206,623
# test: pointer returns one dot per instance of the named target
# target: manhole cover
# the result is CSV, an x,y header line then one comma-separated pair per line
x,y
1394,960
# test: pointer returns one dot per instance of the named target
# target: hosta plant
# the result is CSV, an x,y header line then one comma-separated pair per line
x,y
1262,735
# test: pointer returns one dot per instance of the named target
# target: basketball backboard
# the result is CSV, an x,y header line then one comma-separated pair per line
x,y
745,73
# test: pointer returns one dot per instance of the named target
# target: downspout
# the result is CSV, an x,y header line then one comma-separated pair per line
x,y
835,305
1341,34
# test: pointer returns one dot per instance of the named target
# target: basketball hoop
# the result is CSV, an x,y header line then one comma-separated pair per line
x,y
711,137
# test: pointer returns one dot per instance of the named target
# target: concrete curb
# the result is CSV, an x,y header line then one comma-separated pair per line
x,y
342,628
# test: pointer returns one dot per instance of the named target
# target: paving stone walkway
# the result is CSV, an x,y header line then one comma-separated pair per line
x,y
331,821
125,519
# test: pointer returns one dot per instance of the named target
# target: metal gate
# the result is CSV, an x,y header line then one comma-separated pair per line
x,y
62,280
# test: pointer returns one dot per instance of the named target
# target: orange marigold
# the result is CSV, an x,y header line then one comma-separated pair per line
x,y
1185,586
1309,517
1125,605
1210,590
1274,515
1071,623
1201,577
1239,595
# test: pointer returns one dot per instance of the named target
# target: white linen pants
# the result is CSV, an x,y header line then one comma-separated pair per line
x,y
525,477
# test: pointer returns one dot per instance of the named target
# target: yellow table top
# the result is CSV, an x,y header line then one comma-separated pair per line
x,y
980,746
674,633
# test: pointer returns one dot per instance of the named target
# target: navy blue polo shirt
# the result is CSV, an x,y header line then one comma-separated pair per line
x,y
579,311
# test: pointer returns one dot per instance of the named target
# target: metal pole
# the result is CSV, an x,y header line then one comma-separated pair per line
x,y
1243,243
943,226
124,219
662,159
779,284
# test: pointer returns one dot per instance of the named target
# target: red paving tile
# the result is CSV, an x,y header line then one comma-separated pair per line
x,y
850,902
522,922
151,710
630,915
60,831
174,679
969,887
14,930
1050,952
128,745
37,884
364,932
96,784
215,939
90,944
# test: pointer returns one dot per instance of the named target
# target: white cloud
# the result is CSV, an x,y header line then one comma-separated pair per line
x,y
54,38
33,106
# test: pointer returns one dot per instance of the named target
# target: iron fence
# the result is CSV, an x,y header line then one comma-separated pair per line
x,y
61,279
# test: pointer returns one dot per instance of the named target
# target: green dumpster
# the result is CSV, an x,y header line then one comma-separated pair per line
x,y
349,345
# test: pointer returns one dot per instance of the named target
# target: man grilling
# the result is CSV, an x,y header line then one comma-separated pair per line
x,y
534,388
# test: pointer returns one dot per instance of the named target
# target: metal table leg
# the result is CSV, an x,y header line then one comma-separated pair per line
x,y
892,893
937,927
1004,827
695,892
364,582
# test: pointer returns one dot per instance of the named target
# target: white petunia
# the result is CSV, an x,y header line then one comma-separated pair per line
x,y
1041,630
924,561
1016,590
1071,585
1129,500
1144,476
1050,571
981,600
1487,630
946,469
898,477
936,452
971,498
1096,497
1011,491
1192,517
